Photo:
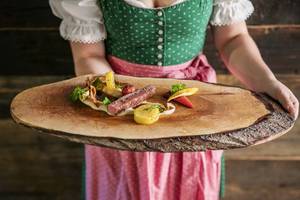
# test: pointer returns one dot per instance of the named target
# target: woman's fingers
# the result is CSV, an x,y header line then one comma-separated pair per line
x,y
288,100
295,105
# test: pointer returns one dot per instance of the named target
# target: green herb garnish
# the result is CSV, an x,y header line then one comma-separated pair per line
x,y
106,101
77,93
154,106
119,85
177,87
98,84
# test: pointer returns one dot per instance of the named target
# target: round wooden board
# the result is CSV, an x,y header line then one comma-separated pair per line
x,y
223,117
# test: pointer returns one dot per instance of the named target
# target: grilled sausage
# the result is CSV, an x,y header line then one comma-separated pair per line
x,y
131,100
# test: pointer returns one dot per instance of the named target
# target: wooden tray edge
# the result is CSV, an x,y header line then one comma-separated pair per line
x,y
269,127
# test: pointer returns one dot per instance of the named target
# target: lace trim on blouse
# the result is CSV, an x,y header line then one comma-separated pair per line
x,y
82,32
227,12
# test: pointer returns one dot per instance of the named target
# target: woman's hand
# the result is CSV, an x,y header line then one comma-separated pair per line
x,y
284,95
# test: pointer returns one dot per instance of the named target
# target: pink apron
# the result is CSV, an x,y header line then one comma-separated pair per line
x,y
125,175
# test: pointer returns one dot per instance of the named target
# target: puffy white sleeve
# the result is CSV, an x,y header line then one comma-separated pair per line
x,y
82,20
227,12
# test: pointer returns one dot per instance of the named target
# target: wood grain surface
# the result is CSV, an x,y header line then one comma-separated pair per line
x,y
224,117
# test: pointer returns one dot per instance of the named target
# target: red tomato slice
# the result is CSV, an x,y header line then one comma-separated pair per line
x,y
184,101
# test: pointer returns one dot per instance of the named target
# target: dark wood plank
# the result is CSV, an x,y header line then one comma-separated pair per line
x,y
36,13
278,46
285,148
275,12
35,52
35,166
267,180
44,52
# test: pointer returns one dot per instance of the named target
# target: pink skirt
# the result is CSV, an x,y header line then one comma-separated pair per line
x,y
124,175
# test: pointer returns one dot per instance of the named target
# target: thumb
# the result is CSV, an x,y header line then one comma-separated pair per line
x,y
283,98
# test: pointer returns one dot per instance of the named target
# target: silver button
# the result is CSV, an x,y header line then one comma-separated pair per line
x,y
160,32
159,55
159,63
160,39
160,23
159,13
159,46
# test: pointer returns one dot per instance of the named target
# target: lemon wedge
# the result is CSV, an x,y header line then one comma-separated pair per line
x,y
183,92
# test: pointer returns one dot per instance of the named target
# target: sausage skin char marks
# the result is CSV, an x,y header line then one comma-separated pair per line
x,y
131,100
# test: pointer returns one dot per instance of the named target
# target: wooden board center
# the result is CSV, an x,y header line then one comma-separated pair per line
x,y
216,109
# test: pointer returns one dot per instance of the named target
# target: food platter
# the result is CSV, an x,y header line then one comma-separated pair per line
x,y
223,117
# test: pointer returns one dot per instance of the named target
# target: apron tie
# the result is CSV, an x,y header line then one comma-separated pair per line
x,y
199,70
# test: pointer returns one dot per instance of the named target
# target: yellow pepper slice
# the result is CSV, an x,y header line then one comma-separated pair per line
x,y
146,114
183,92
110,80
110,87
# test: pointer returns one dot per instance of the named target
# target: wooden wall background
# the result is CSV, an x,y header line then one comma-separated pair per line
x,y
35,166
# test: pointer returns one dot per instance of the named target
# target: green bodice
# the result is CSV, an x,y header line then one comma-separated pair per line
x,y
159,36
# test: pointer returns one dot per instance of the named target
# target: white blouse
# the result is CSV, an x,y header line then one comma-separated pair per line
x,y
82,19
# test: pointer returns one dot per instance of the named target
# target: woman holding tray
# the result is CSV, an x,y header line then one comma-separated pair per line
x,y
162,38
